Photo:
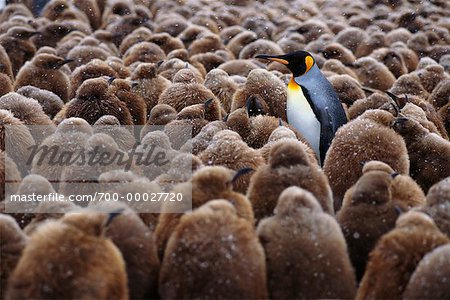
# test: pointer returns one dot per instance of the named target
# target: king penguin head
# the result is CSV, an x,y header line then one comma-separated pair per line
x,y
298,62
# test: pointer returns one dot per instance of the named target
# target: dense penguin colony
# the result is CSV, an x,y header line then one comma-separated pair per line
x,y
267,220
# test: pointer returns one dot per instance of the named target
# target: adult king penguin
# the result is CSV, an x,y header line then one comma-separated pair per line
x,y
313,106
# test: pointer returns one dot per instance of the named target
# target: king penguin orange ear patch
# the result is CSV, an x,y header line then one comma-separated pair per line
x,y
309,61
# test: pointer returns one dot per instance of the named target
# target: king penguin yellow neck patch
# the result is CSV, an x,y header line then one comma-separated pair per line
x,y
309,62
293,86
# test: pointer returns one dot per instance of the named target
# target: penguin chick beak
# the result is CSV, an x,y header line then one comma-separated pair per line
x,y
112,215
240,173
277,58
393,175
111,80
134,84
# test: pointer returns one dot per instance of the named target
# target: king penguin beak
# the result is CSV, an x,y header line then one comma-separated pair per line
x,y
277,58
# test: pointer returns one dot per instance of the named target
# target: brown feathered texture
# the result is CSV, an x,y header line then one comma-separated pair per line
x,y
166,42
429,154
74,248
416,112
6,85
374,41
207,183
392,60
288,165
302,241
374,74
351,38
138,35
205,43
347,88
441,94
239,41
44,72
10,173
339,52
82,54
12,241
409,84
269,87
374,101
335,66
260,46
15,42
137,245
203,139
241,67
124,25
143,52
168,69
230,32
191,33
148,84
172,26
94,99
50,102
222,86
353,144
414,236
209,61
410,58
213,233
91,10
431,76
429,278
313,29
369,210
438,205
51,33
185,91
63,10
134,102
161,114
122,135
5,64
227,149
117,65
70,136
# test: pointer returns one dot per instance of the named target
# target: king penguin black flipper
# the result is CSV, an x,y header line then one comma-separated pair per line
x,y
313,106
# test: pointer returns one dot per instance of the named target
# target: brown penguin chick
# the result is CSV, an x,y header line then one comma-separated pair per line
x,y
209,61
185,91
50,34
206,20
205,42
143,52
73,247
202,140
124,25
137,245
50,102
336,66
207,183
431,76
429,278
17,45
339,52
269,87
231,264
62,10
94,99
353,144
169,68
429,154
312,30
95,68
16,142
409,84
441,94
239,41
376,100
91,10
44,72
117,65
148,84
227,149
241,67
288,165
222,86
230,32
299,223
260,46
414,235
373,74
392,60
437,205
135,103
122,135
173,26
351,38
415,112
368,211
166,42
398,35
161,114
374,41
5,64
5,84
12,241
13,9
69,42
347,88
190,34
410,58
82,54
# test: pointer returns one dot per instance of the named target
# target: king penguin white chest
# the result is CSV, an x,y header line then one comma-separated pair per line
x,y
301,116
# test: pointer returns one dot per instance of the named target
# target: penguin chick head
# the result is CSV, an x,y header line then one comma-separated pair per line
x,y
298,62
295,199
20,32
50,61
373,188
287,153
93,88
91,223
